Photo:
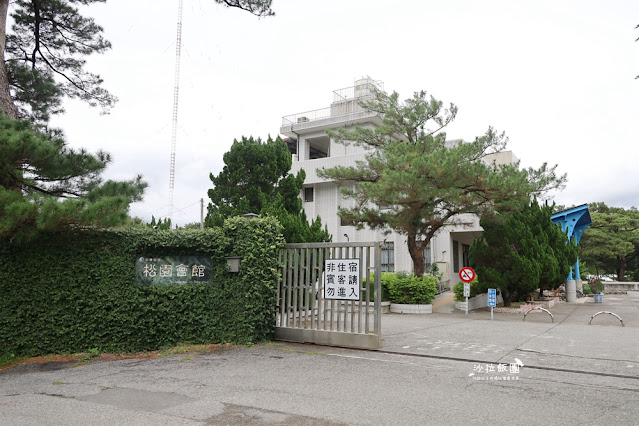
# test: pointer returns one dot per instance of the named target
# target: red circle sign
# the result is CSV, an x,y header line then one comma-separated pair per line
x,y
467,274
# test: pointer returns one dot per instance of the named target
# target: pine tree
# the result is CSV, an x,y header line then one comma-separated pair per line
x,y
256,179
46,185
45,55
522,251
427,182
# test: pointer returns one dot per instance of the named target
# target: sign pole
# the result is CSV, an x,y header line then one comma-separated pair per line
x,y
492,300
467,274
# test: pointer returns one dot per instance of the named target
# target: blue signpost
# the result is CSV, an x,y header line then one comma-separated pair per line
x,y
492,300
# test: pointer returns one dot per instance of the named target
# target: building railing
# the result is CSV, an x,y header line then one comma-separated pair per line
x,y
337,109
345,101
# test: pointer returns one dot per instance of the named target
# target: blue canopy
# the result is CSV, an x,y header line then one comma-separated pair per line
x,y
575,220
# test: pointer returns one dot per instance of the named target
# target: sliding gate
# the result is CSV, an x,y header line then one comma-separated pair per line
x,y
330,294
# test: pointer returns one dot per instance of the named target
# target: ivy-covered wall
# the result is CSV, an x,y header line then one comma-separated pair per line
x,y
75,291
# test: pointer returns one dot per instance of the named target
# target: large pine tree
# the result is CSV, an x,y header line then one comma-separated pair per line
x,y
426,182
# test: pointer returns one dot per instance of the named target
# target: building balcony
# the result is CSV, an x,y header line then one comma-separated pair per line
x,y
345,110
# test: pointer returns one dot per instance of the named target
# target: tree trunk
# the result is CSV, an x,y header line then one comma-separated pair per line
x,y
6,102
621,270
505,294
416,254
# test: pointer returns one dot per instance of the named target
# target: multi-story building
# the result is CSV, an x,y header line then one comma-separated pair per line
x,y
313,149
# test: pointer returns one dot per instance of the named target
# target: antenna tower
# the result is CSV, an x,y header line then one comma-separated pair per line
x,y
176,96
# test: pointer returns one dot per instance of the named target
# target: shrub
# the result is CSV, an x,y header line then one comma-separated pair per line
x,y
587,289
597,286
385,294
410,289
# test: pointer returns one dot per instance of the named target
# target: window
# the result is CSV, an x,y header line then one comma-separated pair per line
x,y
388,257
344,222
427,258
308,194
455,256
465,251
318,147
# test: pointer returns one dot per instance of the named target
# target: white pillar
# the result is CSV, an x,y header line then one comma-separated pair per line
x,y
571,293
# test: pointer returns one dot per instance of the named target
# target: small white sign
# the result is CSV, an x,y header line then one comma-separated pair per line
x,y
466,289
341,279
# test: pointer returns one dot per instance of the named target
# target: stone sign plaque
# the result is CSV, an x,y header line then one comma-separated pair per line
x,y
173,270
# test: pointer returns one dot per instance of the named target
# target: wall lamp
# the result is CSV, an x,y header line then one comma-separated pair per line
x,y
233,263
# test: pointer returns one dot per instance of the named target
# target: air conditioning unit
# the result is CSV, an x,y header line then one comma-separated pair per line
x,y
302,119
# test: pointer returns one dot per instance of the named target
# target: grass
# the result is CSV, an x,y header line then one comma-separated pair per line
x,y
190,351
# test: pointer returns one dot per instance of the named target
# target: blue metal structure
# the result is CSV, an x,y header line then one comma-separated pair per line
x,y
575,220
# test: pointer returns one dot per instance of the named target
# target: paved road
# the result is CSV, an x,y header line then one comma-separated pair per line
x,y
431,371
567,342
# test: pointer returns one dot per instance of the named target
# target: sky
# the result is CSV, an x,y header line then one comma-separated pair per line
x,y
558,77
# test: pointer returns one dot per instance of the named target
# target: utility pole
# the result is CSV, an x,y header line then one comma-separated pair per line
x,y
201,213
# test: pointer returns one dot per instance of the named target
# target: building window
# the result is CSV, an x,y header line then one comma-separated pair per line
x,y
465,251
318,147
388,257
344,222
308,194
455,256
427,258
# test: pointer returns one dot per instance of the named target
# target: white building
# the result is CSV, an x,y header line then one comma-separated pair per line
x,y
312,149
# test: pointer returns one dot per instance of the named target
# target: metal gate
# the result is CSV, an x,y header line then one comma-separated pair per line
x,y
303,312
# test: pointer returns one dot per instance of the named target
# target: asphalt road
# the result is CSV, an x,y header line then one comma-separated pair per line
x,y
434,369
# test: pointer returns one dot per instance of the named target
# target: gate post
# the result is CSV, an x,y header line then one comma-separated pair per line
x,y
378,290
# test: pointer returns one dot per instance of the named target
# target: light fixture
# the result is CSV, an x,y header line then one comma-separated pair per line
x,y
233,263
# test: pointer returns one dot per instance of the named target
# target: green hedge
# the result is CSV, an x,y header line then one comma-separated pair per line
x,y
400,287
75,291
409,289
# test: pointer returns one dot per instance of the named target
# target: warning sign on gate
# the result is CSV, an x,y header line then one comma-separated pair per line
x,y
341,279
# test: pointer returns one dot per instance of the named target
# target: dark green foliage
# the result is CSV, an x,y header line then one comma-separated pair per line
x,y
611,243
163,224
46,185
556,255
409,289
256,179
519,250
46,53
74,291
587,289
596,286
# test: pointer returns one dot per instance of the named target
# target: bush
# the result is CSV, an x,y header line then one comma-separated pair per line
x,y
597,286
409,289
385,294
476,288
587,289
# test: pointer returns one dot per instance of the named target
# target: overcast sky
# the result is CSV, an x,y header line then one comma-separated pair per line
x,y
557,76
